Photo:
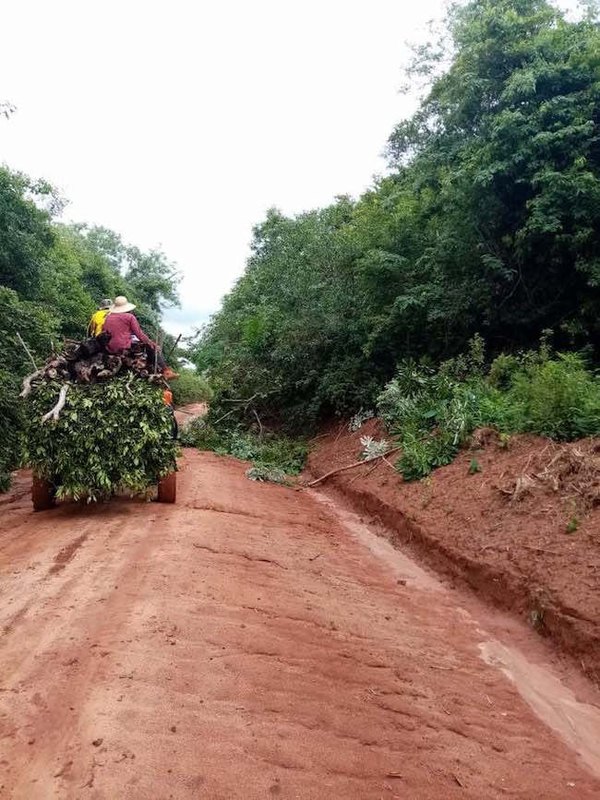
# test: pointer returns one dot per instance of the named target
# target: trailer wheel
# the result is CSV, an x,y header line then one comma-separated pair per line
x,y
167,488
42,494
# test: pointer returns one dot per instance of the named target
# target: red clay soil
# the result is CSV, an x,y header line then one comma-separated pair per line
x,y
248,643
511,547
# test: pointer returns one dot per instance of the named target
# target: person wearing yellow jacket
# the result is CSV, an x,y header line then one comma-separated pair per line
x,y
99,317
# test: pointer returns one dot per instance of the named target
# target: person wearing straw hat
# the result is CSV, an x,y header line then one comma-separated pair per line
x,y
122,325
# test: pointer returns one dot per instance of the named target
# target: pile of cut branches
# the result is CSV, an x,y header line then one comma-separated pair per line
x,y
571,469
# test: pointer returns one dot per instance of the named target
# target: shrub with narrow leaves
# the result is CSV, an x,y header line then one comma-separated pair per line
x,y
373,448
434,413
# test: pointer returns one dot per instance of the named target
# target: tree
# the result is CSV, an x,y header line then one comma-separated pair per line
x,y
152,279
507,166
37,327
26,235
489,221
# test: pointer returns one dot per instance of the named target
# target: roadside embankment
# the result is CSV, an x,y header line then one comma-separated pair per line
x,y
517,521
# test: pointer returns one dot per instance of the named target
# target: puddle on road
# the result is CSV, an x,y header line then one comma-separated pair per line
x,y
403,566
576,723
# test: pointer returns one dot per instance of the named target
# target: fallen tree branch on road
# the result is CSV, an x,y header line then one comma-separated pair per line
x,y
353,466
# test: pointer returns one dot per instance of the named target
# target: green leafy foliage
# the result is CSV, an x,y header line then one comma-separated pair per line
x,y
573,525
270,451
434,412
558,397
37,327
489,221
11,423
152,278
26,234
267,475
190,388
474,467
108,437
287,333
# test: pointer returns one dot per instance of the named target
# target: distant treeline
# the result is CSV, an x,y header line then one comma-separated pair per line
x,y
488,222
52,277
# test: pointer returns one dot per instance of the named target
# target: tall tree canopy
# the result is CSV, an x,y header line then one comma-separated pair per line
x,y
26,235
488,221
504,158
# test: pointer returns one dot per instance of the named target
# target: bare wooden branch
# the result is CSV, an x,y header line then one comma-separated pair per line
x,y
229,413
244,401
366,475
26,389
260,427
27,350
353,466
172,350
156,345
54,413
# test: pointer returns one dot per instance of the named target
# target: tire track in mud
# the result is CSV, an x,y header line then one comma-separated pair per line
x,y
62,558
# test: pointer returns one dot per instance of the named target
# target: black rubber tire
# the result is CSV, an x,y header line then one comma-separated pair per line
x,y
42,494
167,488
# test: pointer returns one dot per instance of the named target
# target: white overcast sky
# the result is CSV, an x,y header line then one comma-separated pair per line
x,y
180,123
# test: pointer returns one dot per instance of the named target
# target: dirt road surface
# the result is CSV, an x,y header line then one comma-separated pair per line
x,y
252,642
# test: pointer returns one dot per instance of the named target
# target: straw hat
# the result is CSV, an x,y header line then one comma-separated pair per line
x,y
121,305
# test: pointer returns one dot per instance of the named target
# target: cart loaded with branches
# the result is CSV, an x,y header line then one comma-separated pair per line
x,y
98,424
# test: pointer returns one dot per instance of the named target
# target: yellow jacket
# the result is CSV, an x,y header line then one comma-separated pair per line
x,y
97,322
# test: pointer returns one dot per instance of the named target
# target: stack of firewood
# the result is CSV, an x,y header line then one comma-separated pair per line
x,y
89,362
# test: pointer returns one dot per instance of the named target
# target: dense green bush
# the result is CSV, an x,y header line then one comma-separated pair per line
x,y
558,397
37,327
10,428
434,412
269,450
110,436
190,387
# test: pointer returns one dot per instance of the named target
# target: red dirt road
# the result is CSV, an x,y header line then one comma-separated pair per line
x,y
246,643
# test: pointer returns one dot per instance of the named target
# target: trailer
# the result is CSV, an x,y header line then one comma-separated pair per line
x,y
43,491
75,436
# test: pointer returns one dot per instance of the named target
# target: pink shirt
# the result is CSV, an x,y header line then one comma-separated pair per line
x,y
121,328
